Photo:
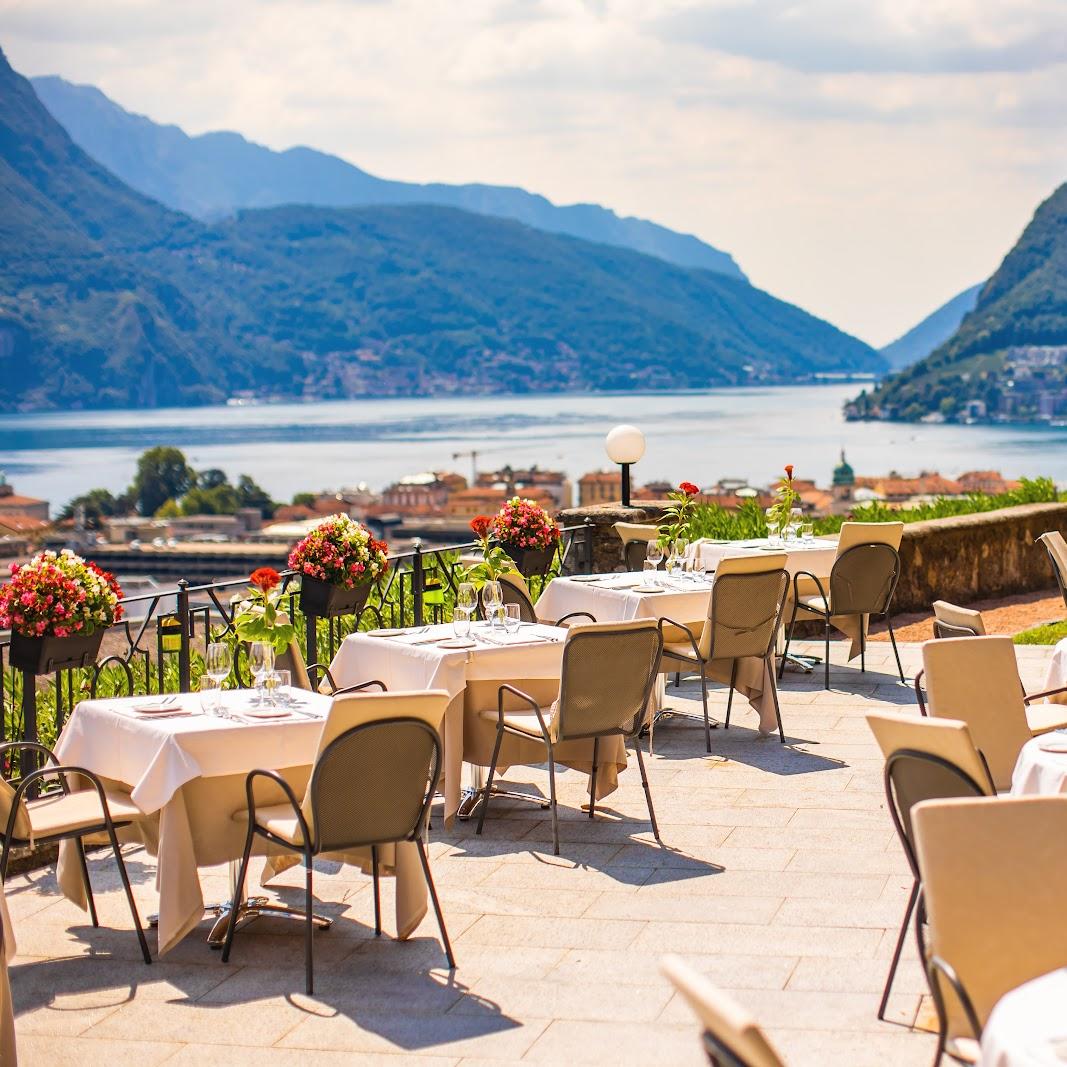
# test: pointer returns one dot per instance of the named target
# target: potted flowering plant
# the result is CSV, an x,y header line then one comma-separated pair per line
x,y
495,561
339,561
679,514
528,534
786,497
58,606
255,614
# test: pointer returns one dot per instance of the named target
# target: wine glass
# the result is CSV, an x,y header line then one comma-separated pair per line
x,y
467,597
217,664
492,602
654,554
679,549
261,663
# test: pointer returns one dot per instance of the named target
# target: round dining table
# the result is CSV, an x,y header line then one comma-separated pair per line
x,y
1041,769
1028,1026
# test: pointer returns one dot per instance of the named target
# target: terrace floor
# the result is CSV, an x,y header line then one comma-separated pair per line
x,y
779,876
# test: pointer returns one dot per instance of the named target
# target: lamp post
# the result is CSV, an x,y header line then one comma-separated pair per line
x,y
625,445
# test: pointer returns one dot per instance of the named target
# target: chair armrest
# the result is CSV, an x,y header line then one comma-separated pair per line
x,y
320,668
34,746
681,626
919,692
575,615
818,582
522,696
362,685
287,789
938,968
1029,699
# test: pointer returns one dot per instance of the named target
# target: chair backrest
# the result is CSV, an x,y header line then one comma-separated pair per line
x,y
514,590
953,621
375,757
976,679
635,537
732,1037
606,680
993,874
863,579
21,830
1057,554
745,608
292,660
869,533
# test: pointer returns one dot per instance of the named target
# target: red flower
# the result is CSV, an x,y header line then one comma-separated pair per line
x,y
482,526
689,488
789,471
265,578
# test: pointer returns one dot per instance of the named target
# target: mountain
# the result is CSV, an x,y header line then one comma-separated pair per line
x,y
109,299
933,331
1008,358
215,174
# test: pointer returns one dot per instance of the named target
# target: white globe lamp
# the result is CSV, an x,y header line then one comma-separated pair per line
x,y
625,445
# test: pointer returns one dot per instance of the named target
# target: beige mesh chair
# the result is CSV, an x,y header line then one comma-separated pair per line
x,y
994,873
374,777
63,814
1056,547
606,681
744,613
925,759
976,679
732,1037
515,591
635,538
8,1049
953,621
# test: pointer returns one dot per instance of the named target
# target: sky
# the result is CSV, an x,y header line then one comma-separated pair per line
x,y
864,159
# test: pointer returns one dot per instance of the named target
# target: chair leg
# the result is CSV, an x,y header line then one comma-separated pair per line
x,y
78,844
827,660
777,708
129,893
863,645
730,697
592,777
677,679
489,780
377,891
893,640
436,903
552,800
897,951
309,927
644,785
704,697
231,926
788,638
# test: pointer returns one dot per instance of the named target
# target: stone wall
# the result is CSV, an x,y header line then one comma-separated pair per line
x,y
961,559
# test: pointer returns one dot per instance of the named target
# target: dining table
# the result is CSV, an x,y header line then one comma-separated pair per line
x,y
1028,1026
1056,673
1041,768
183,760
471,670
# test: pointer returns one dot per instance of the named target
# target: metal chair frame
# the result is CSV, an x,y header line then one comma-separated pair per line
x,y
827,612
311,843
915,904
632,732
767,655
936,970
513,593
106,825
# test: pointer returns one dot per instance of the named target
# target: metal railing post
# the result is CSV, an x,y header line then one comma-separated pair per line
x,y
185,674
311,637
418,581
590,536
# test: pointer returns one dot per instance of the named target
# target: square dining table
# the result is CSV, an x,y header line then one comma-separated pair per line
x,y
530,659
185,769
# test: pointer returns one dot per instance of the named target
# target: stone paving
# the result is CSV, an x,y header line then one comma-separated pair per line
x,y
779,877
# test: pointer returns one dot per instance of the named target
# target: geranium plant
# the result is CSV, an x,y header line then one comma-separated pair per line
x,y
679,514
521,524
255,614
59,594
495,561
342,552
786,498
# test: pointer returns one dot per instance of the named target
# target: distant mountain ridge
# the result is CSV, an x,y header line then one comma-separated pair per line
x,y
213,175
932,331
1008,358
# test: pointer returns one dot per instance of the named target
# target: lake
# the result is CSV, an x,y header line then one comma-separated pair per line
x,y
699,436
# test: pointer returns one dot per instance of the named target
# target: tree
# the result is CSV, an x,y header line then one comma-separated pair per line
x,y
250,495
212,478
222,500
98,504
307,499
162,474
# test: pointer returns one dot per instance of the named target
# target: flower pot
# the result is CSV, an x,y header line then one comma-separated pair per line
x,y
42,655
324,600
531,561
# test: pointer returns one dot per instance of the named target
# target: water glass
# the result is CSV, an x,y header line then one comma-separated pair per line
x,y
774,535
790,533
210,696
807,532
461,621
511,618
261,663
651,570
281,681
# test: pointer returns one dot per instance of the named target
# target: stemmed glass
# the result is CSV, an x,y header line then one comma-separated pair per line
x,y
678,550
493,602
467,597
261,663
217,664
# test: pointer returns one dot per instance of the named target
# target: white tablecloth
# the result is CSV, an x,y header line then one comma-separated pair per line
x,y
815,556
472,677
1056,675
187,774
1028,1026
1038,772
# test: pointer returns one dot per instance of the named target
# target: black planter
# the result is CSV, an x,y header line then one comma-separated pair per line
x,y
324,600
42,655
531,562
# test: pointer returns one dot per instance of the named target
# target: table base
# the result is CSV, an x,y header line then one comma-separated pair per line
x,y
250,909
